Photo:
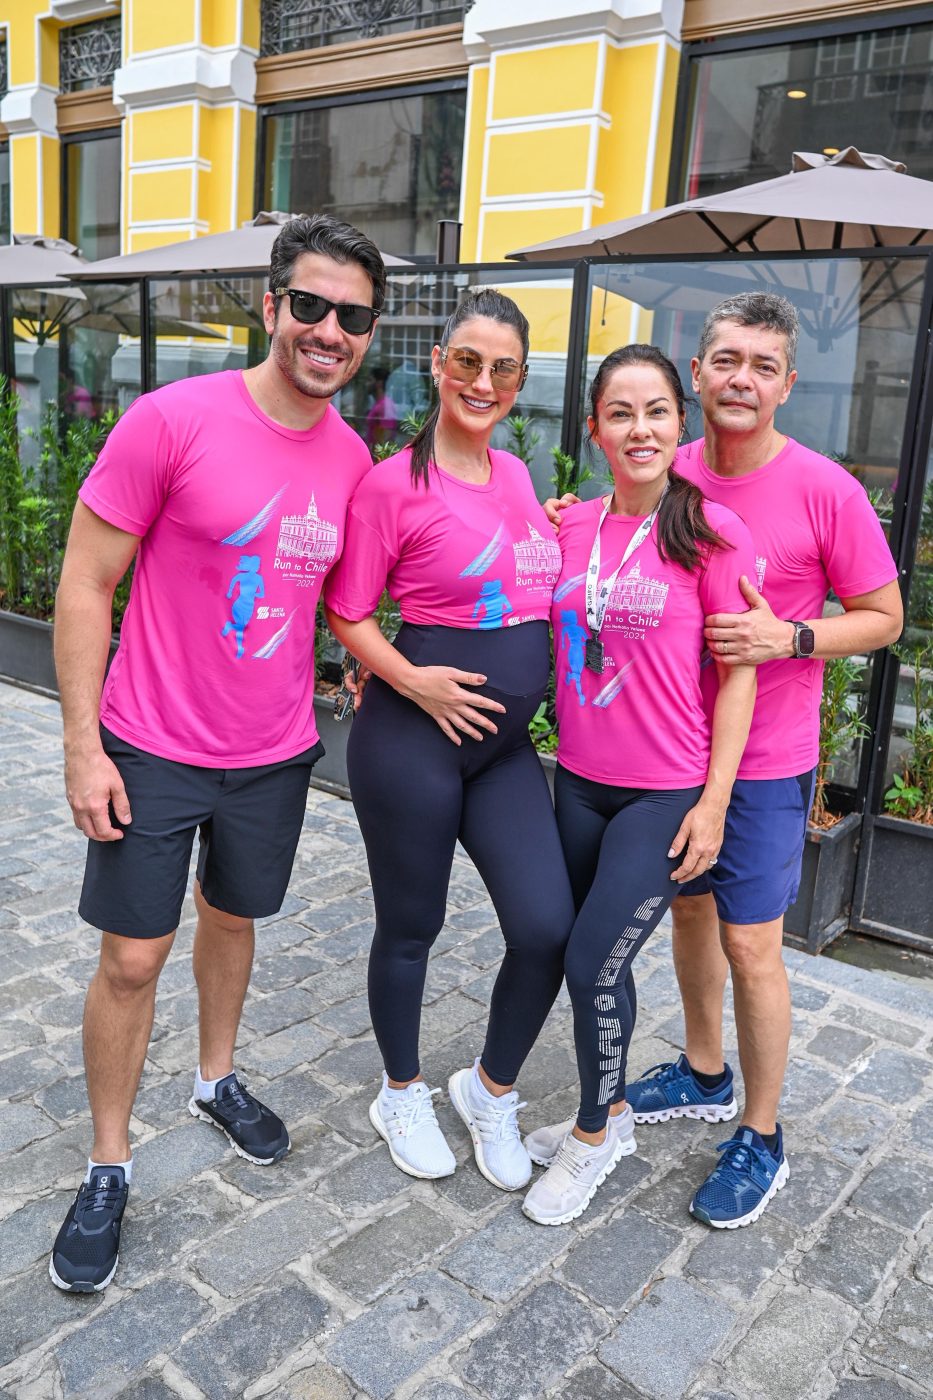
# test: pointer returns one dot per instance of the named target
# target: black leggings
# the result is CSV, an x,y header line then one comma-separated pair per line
x,y
416,794
615,842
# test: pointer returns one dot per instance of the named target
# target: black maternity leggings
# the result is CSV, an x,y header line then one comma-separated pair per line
x,y
615,842
416,795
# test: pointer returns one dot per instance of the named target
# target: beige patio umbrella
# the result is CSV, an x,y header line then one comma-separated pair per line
x,y
32,259
245,249
850,200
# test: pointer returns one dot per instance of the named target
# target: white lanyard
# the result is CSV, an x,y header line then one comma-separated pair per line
x,y
597,594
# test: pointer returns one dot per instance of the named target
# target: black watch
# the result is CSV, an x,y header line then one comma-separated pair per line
x,y
804,638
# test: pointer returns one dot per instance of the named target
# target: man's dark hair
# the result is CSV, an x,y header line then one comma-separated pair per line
x,y
322,233
767,309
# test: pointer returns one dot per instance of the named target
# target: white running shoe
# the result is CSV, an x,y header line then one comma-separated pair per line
x,y
493,1125
542,1145
407,1121
567,1187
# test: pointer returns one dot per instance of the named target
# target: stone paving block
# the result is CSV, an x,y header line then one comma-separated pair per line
x,y
851,1127
366,1181
619,1259
893,1076
264,1243
481,987
279,1010
244,1345
481,917
65,1098
19,1034
284,970
282,935
285,1050
20,1124
121,1339
351,942
658,990
176,1013
882,1027
816,1183
338,983
851,1258
620,1186
148,1388
548,1068
903,1338
26,1073
175,1157
838,1045
348,1018
67,1052
444,1018
315,1153
319,1381
532,1345
291,904
505,1254
59,1160
339,914
353,1065
165,1104
806,1087
806,998
737,1262
921,1127
790,1344
898,1189
350,1115
394,1339
440,1061
28,1234
27,992
487,949
595,1382
868,1388
34,1308
469,1190
176,1052
296,1096
640,1350
159,1232
364,1264
446,974
668,1199
440,1390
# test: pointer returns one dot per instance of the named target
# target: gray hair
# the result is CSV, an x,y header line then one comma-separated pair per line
x,y
767,309
322,233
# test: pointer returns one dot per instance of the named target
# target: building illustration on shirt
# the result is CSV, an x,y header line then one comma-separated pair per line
x,y
641,600
536,558
307,536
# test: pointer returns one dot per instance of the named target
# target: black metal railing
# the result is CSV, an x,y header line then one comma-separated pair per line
x,y
4,70
290,25
89,55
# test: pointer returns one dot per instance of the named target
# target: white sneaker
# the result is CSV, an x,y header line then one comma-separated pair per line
x,y
493,1125
566,1188
407,1121
542,1145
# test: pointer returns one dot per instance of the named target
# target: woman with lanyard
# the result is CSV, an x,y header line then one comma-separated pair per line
x,y
643,778
440,751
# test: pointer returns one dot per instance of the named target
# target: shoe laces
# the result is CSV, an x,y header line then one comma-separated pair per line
x,y
95,1199
418,1111
499,1120
737,1160
235,1098
664,1072
573,1155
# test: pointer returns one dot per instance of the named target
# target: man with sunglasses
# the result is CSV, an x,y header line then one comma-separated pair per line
x,y
230,491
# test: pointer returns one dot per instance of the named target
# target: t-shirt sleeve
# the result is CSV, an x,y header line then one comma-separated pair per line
x,y
356,584
128,483
719,587
855,552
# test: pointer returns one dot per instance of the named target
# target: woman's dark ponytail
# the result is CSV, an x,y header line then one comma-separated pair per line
x,y
682,527
493,305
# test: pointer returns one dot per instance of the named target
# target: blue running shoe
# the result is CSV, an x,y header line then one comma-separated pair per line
x,y
739,1187
671,1091
87,1247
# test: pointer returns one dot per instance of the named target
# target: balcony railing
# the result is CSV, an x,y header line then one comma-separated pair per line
x,y
89,55
4,70
290,25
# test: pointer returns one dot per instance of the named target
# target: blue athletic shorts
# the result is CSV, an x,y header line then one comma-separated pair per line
x,y
758,871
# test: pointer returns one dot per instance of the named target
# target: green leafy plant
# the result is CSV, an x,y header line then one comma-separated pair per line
x,y
568,474
522,437
911,792
543,729
841,725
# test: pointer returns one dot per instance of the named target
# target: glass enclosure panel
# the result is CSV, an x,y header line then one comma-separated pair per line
x,y
206,324
5,229
748,111
391,167
859,319
92,196
76,348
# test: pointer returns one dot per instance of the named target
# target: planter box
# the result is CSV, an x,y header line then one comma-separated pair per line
x,y
26,652
330,772
897,902
821,910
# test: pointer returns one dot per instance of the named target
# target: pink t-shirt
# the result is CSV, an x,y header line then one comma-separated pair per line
x,y
641,723
239,520
455,555
814,529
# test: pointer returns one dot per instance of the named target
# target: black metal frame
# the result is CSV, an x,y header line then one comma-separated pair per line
x,y
78,138
342,99
357,31
70,81
763,39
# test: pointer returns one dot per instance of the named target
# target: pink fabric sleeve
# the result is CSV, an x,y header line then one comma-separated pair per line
x,y
128,483
856,555
354,587
719,587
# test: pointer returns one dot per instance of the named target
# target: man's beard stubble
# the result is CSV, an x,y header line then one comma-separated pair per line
x,y
286,353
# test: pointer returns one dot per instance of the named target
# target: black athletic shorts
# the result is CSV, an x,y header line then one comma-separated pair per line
x,y
249,820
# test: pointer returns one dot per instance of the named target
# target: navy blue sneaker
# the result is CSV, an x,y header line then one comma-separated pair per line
x,y
255,1131
672,1091
87,1247
739,1187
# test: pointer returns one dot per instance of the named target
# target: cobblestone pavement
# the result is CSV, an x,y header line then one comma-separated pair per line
x,y
333,1275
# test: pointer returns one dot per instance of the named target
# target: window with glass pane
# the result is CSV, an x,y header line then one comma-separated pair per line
x,y
92,195
391,166
749,110
5,230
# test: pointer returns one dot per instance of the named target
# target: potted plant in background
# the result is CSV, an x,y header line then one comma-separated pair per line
x,y
821,910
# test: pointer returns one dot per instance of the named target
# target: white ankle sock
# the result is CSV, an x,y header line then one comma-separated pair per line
x,y
127,1168
205,1089
389,1091
479,1087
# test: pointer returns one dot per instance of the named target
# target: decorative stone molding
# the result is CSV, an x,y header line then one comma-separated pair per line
x,y
74,11
421,56
205,75
30,110
503,24
86,111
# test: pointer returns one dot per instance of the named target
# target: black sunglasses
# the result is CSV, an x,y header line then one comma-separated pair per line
x,y
309,308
